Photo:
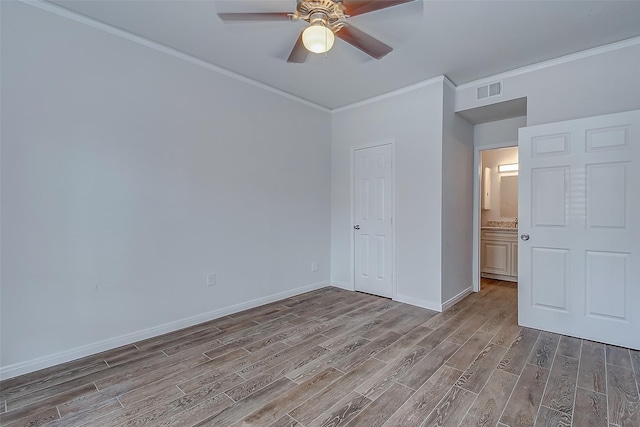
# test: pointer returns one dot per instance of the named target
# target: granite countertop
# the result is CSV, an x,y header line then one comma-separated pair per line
x,y
501,226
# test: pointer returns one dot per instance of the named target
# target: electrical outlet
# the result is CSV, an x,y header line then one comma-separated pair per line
x,y
211,279
314,266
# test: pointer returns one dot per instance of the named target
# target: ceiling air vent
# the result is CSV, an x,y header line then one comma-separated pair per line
x,y
488,91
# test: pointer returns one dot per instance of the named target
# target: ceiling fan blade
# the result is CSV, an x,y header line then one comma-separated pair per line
x,y
358,7
299,53
364,42
250,17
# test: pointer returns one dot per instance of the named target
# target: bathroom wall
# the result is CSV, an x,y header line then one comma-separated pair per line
x,y
491,159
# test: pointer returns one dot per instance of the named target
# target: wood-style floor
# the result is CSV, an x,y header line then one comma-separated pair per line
x,y
333,357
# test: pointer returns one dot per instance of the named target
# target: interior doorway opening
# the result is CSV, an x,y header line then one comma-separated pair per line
x,y
499,214
480,214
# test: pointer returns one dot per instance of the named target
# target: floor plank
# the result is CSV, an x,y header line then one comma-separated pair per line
x,y
522,408
331,357
313,408
618,356
179,406
548,417
508,332
561,387
23,406
488,407
286,421
570,346
469,351
592,374
590,409
383,407
467,329
199,413
244,389
380,382
238,410
495,323
443,332
623,399
516,357
342,412
418,407
421,372
404,344
122,415
544,350
278,407
32,418
368,351
88,416
451,409
476,375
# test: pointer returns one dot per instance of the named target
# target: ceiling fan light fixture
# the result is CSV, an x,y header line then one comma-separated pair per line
x,y
317,37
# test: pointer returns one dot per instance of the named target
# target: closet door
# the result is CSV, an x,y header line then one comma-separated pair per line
x,y
373,226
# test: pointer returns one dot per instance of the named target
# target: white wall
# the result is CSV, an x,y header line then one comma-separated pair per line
x,y
413,120
457,200
600,81
127,175
498,132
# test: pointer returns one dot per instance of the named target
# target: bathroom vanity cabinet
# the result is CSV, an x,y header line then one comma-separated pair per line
x,y
499,253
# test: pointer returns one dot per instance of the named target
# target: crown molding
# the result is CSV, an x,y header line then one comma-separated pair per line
x,y
83,19
634,41
424,83
449,83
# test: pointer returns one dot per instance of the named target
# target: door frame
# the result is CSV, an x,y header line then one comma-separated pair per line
x,y
477,204
355,148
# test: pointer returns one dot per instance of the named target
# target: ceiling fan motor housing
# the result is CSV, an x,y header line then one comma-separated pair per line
x,y
329,12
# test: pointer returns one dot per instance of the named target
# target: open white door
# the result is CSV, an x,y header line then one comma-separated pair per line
x,y
373,209
579,209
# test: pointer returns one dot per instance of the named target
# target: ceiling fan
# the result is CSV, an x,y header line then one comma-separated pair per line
x,y
327,19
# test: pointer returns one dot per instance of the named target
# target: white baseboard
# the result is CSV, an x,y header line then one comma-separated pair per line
x,y
22,368
459,297
502,277
429,305
343,285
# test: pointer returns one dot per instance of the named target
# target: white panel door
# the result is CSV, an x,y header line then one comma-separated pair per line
x,y
373,227
579,206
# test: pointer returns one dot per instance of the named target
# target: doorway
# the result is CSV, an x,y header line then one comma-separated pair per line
x,y
499,214
495,245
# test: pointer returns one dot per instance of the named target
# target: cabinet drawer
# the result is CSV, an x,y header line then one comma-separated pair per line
x,y
504,236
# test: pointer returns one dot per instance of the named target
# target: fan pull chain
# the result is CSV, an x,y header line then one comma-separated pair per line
x,y
326,43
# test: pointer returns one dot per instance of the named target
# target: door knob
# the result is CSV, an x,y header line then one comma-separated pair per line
x,y
356,227
524,237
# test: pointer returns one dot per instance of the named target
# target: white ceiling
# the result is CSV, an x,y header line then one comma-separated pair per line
x,y
464,40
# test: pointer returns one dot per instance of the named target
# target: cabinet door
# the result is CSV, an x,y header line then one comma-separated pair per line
x,y
514,259
496,257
